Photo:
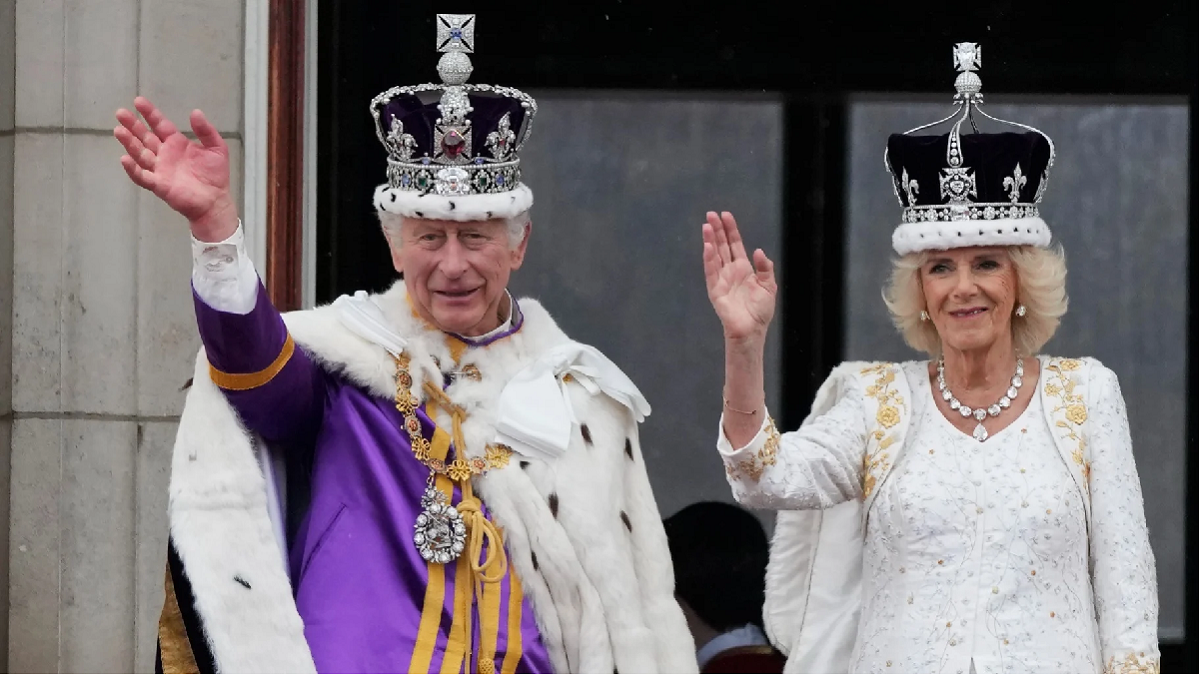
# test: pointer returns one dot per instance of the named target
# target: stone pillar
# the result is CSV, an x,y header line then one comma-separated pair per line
x,y
101,325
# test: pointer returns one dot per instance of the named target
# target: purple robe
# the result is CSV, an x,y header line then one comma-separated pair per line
x,y
369,602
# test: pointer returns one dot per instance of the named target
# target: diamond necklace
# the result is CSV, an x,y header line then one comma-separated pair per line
x,y
980,434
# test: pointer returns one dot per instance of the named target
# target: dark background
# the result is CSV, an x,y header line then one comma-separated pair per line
x,y
814,57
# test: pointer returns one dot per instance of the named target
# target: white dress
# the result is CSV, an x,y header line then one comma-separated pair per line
x,y
976,555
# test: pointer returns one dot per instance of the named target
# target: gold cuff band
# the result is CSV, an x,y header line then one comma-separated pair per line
x,y
245,381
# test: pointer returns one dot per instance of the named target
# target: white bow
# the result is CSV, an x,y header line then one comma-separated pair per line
x,y
535,416
364,318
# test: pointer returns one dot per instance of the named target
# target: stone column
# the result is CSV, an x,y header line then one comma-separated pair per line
x,y
102,332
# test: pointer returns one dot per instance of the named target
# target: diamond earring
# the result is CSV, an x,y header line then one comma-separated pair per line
x,y
924,315
1021,311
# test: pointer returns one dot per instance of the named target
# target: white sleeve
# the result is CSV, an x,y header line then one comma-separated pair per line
x,y
223,276
1123,574
814,467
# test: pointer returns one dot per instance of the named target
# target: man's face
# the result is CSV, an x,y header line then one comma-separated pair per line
x,y
456,272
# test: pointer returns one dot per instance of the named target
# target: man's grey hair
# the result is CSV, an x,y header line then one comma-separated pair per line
x,y
515,227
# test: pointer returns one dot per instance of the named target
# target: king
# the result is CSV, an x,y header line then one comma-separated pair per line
x,y
431,479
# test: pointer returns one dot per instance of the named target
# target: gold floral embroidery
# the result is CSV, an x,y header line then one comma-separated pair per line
x,y
1069,410
1133,663
754,467
1077,414
888,416
876,460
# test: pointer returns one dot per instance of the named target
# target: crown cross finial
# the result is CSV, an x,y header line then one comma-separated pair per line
x,y
967,59
456,33
455,39
967,56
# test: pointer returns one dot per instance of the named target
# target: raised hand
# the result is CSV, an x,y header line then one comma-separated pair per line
x,y
191,177
743,294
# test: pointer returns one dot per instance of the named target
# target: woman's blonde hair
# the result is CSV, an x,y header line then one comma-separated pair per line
x,y
1041,287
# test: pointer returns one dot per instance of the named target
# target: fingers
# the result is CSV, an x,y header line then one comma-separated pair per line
x,y
735,237
764,269
137,174
206,133
712,267
136,150
139,130
722,240
159,124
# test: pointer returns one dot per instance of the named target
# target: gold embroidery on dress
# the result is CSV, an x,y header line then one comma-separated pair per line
x,y
1133,663
1070,410
754,467
877,460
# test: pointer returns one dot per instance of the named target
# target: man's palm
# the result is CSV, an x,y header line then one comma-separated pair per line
x,y
190,177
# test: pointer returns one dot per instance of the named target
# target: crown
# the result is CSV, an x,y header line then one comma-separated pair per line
x,y
456,157
979,189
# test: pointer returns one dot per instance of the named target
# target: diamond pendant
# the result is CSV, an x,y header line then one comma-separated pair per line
x,y
980,434
440,533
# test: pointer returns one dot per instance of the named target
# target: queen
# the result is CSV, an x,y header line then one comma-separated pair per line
x,y
978,511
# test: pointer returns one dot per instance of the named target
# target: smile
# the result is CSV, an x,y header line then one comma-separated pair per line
x,y
968,313
456,295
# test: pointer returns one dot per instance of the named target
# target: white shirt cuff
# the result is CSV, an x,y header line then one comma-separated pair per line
x,y
732,456
223,275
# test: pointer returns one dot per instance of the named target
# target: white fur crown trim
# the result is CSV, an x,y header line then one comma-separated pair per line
x,y
944,235
457,208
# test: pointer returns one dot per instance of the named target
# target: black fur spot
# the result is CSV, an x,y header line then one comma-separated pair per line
x,y
451,206
554,504
629,449
419,214
533,558
489,215
587,434
524,464
187,385
393,196
242,581
625,519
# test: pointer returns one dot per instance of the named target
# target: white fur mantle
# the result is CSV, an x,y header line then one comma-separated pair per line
x,y
583,532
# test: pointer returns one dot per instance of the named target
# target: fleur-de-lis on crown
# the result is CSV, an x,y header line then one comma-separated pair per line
x,y
910,187
400,144
1014,183
500,142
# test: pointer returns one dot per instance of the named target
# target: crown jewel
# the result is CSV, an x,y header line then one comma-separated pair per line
x,y
995,180
467,143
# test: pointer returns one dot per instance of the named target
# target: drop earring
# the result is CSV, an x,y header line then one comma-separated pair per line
x,y
1021,311
924,315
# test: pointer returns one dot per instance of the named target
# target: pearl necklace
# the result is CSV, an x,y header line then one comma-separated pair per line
x,y
980,434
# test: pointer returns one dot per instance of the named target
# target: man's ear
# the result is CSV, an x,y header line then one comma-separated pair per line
x,y
518,253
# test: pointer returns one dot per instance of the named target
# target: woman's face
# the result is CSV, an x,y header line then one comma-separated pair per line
x,y
969,295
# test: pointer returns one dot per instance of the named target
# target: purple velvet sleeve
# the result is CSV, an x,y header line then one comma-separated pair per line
x,y
246,350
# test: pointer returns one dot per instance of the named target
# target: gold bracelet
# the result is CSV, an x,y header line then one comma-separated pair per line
x,y
733,409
